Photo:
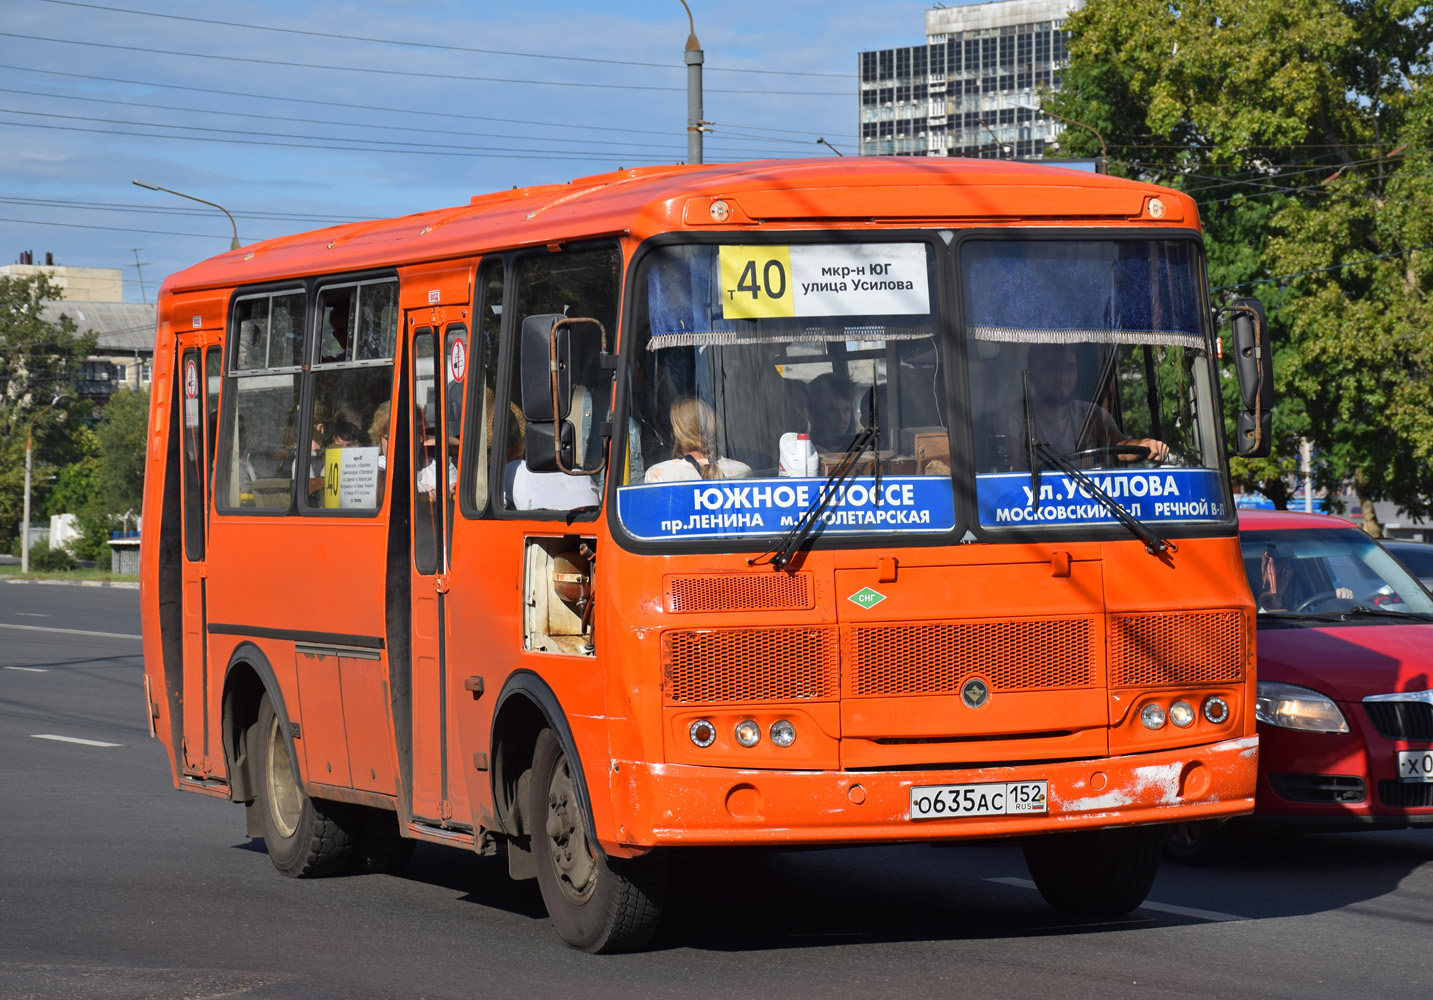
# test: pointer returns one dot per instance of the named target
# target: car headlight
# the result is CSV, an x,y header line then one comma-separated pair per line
x,y
1289,706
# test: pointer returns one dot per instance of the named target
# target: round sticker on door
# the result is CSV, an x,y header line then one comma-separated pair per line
x,y
457,361
191,379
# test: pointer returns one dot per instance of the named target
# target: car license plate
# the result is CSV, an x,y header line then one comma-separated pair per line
x,y
1415,765
999,798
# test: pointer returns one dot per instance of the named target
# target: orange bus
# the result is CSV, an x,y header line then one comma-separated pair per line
x,y
788,503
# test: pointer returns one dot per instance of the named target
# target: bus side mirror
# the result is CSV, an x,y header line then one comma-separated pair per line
x,y
1254,366
552,443
542,337
1253,357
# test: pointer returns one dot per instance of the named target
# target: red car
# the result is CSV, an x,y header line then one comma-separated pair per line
x,y
1345,700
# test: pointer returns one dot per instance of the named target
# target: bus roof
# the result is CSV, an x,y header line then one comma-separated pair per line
x,y
854,192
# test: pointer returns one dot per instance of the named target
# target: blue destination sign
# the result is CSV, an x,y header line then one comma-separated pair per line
x,y
736,508
1152,495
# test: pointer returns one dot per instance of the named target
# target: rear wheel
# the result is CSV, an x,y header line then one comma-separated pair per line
x,y
304,839
1095,873
598,904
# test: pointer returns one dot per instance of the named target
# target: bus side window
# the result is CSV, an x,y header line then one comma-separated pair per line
x,y
578,284
352,378
260,403
482,394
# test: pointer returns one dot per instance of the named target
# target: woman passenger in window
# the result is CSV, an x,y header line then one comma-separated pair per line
x,y
694,447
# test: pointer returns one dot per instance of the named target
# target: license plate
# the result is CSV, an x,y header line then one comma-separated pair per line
x,y
1415,765
1001,798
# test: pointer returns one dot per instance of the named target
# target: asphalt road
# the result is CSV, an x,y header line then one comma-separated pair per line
x,y
113,886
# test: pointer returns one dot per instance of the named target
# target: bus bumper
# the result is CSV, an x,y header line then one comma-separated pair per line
x,y
675,804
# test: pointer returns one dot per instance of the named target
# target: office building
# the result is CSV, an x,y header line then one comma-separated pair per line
x,y
973,89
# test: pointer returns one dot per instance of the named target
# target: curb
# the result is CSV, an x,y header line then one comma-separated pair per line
x,y
119,584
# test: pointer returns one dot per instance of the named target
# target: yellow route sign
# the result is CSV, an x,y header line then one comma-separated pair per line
x,y
756,282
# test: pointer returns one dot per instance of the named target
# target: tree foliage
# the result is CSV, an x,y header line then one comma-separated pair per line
x,y
1302,129
39,360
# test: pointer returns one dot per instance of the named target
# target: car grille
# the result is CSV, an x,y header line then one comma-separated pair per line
x,y
718,665
1401,720
1318,787
1405,794
1186,647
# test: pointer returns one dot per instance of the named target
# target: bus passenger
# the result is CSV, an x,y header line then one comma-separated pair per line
x,y
694,447
831,410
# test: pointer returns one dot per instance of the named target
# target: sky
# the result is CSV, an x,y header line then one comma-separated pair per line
x,y
298,115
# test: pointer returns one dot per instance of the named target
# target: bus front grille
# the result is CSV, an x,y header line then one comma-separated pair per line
x,y
740,592
1176,647
712,666
937,658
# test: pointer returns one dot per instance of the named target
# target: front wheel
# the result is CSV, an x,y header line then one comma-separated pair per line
x,y
1095,873
598,904
304,839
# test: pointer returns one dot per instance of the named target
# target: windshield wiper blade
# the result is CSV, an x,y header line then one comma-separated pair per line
x,y
1153,544
786,547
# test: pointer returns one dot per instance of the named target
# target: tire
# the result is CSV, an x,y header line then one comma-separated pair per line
x,y
1095,873
304,839
598,904
1203,843
379,847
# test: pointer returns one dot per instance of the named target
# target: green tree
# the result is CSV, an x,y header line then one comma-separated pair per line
x,y
39,360
1300,127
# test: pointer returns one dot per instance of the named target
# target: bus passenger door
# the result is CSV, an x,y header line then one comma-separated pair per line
x,y
198,412
430,479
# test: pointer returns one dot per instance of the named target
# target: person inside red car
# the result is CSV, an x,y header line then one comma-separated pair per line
x,y
1279,587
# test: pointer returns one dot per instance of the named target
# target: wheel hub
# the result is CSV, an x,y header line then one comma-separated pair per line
x,y
571,856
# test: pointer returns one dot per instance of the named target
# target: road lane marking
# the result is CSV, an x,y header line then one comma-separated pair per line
x,y
1213,916
73,739
30,670
70,631
29,614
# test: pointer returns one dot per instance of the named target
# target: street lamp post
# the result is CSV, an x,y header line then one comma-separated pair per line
x,y
1104,153
29,451
234,244
693,58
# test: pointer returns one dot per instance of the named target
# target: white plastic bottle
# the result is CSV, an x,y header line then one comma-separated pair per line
x,y
798,455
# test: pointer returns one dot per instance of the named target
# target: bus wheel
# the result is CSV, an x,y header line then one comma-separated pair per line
x,y
303,839
1095,873
598,904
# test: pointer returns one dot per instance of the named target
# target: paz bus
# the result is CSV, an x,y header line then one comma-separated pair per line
x,y
784,503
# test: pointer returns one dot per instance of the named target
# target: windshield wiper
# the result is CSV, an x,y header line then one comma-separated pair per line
x,y
1035,448
786,547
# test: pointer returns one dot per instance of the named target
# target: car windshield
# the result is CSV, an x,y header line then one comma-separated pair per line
x,y
1095,352
1321,571
756,369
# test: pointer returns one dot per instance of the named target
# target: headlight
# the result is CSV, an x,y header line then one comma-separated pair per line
x,y
1291,707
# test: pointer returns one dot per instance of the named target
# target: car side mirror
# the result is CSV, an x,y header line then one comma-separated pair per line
x,y
550,439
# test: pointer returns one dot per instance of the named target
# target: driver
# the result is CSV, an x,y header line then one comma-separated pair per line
x,y
1067,424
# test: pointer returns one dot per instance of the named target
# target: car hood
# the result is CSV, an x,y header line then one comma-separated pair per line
x,y
1350,662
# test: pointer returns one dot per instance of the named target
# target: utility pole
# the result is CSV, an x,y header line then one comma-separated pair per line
x,y
234,244
693,58
139,266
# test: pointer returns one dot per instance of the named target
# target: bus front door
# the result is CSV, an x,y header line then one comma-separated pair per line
x,y
198,384
438,795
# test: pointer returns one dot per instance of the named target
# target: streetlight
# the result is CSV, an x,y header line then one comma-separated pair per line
x,y
234,245
693,58
29,449
1104,153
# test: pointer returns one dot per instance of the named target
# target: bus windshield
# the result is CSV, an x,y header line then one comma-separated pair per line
x,y
1092,354
755,370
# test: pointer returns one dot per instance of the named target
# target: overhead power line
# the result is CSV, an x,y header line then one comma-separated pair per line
x,y
374,70
1320,270
436,46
